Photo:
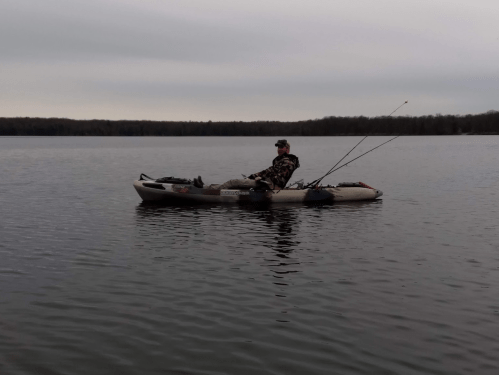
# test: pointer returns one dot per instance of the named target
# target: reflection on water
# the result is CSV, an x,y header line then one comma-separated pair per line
x,y
250,238
275,228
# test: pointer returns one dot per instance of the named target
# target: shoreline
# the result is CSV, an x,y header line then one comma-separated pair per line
x,y
481,124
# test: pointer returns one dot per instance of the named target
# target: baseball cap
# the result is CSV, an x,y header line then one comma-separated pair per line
x,y
282,143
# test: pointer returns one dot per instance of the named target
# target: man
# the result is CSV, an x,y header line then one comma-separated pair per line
x,y
276,177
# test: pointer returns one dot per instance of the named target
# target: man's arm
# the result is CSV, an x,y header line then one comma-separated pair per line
x,y
279,174
261,174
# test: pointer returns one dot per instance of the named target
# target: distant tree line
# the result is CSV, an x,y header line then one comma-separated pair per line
x,y
485,123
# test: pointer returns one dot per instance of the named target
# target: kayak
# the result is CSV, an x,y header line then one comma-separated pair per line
x,y
181,190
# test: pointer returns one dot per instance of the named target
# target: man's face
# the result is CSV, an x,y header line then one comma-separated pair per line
x,y
282,149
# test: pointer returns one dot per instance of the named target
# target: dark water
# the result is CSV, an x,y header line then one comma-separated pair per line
x,y
92,281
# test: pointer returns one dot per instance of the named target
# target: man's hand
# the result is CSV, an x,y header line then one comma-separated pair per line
x,y
258,178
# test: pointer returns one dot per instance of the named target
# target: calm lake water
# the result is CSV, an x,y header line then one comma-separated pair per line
x,y
93,281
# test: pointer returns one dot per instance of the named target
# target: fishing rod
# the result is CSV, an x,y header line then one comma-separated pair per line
x,y
341,166
316,182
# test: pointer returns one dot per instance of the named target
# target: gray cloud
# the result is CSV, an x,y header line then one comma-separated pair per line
x,y
123,33
283,60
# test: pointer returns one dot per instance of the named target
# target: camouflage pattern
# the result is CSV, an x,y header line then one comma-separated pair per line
x,y
281,170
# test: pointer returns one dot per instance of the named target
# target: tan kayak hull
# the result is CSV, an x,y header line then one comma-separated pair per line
x,y
153,191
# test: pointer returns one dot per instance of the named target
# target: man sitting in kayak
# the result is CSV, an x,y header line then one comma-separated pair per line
x,y
276,176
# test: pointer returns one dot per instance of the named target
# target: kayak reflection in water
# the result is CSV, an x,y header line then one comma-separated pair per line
x,y
275,177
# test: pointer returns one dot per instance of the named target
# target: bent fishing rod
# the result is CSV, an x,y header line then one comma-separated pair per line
x,y
317,182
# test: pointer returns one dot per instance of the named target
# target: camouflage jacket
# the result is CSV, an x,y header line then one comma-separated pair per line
x,y
281,170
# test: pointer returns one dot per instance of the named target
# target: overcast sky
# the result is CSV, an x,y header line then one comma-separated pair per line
x,y
252,60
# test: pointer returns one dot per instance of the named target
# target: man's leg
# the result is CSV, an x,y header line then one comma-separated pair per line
x,y
236,184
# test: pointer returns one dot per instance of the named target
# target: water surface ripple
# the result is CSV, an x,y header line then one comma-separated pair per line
x,y
93,281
